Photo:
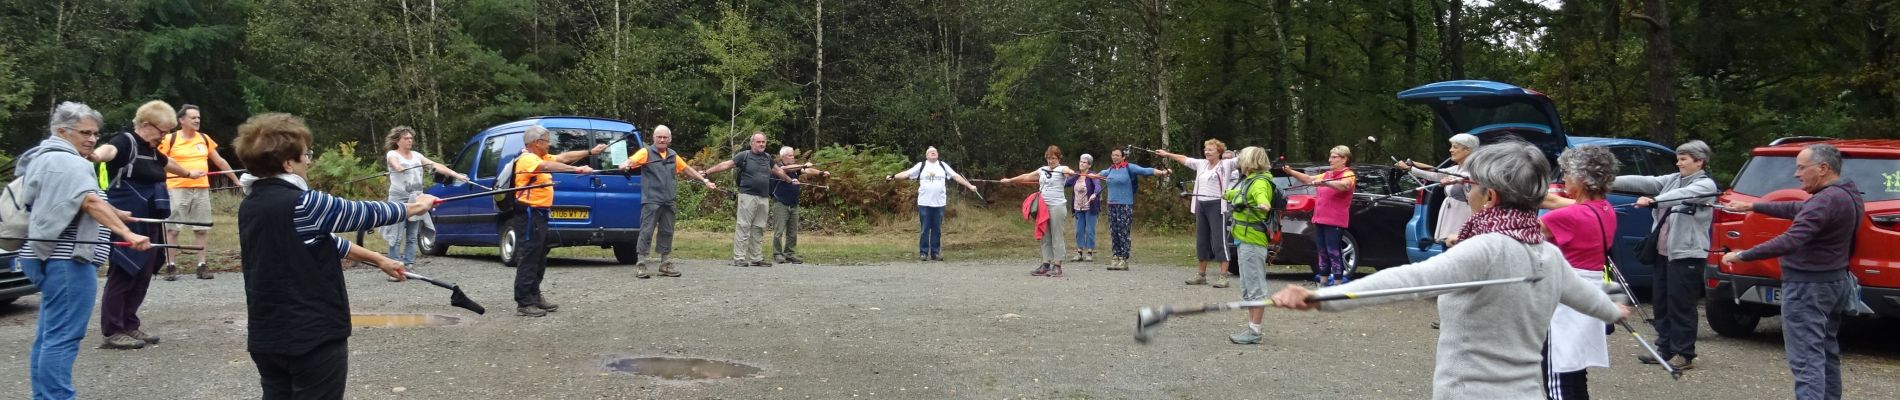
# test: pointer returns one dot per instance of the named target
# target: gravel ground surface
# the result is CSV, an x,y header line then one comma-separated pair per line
x,y
901,330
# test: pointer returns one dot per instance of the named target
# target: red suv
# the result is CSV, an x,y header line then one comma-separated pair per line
x,y
1740,295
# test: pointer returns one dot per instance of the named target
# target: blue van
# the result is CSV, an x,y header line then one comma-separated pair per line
x,y
598,209
1492,111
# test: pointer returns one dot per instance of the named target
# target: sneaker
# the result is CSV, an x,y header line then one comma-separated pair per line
x,y
1077,257
1041,271
1682,363
122,342
761,263
1088,257
542,302
530,311
1198,280
142,336
1116,264
1222,284
1647,359
1344,279
640,270
741,263
794,258
204,272
936,257
923,257
1055,271
1245,337
778,259
666,270
171,272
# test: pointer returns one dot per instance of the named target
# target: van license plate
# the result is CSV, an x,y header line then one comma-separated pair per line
x,y
580,213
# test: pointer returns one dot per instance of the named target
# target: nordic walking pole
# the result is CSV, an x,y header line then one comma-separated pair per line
x,y
119,244
1674,374
456,297
167,221
386,173
1149,319
233,171
1653,202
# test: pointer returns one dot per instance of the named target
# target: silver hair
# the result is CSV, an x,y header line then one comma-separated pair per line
x,y
1088,158
1825,154
1517,171
1694,149
70,114
1465,140
786,151
1592,166
535,132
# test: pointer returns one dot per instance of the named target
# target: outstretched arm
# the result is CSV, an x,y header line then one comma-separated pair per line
x,y
572,156
721,166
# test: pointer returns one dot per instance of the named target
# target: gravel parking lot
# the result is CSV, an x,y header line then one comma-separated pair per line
x,y
898,330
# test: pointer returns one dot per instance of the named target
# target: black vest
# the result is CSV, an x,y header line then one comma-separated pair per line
x,y
657,182
294,292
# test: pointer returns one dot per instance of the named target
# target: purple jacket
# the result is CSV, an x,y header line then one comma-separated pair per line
x,y
1816,248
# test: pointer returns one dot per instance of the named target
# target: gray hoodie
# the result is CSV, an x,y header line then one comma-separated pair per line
x,y
1687,236
56,181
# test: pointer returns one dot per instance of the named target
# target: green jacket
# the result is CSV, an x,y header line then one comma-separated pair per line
x,y
1250,209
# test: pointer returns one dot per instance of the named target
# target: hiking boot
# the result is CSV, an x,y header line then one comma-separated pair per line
x,y
530,311
1041,271
1055,271
640,270
142,336
1088,257
542,302
778,259
1077,257
741,263
1198,280
666,270
204,272
936,257
1679,362
122,342
1222,284
1245,337
761,263
794,258
171,272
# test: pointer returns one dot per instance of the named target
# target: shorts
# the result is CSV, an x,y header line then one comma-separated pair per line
x,y
191,205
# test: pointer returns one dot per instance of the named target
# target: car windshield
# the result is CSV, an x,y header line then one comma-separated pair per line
x,y
1878,179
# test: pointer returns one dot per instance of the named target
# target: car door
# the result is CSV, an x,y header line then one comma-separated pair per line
x,y
1379,211
573,193
450,225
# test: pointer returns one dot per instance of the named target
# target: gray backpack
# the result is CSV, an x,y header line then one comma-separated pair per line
x,y
14,207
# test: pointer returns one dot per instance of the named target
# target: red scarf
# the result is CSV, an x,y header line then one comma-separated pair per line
x,y
1123,164
1521,225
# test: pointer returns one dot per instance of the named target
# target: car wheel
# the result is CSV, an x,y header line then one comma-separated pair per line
x,y
507,246
627,253
425,240
1726,317
1349,251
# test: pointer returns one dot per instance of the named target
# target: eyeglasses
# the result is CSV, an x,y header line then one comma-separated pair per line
x,y
309,155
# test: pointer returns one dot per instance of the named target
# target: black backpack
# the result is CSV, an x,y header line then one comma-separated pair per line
x,y
505,202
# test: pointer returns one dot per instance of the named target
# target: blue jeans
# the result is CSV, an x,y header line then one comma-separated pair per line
x,y
930,236
1085,229
67,290
404,248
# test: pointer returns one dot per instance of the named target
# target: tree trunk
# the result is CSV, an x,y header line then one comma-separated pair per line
x,y
1660,54
818,83
1157,14
1455,40
1288,121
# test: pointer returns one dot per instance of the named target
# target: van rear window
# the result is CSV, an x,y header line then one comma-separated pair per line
x,y
1878,179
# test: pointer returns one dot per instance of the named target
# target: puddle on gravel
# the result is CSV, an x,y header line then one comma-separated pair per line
x,y
677,369
401,320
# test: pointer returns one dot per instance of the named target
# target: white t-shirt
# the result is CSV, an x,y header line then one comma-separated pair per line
x,y
1052,184
1212,183
931,177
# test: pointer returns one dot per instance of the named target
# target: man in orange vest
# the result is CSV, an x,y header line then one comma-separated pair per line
x,y
531,246
190,196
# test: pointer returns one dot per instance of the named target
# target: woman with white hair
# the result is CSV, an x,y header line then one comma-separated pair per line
x,y
931,175
1582,224
60,185
1087,204
1683,240
1453,213
1493,337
